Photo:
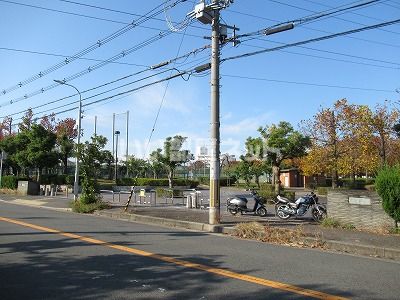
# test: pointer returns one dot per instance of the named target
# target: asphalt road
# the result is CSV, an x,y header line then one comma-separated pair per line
x,y
48,255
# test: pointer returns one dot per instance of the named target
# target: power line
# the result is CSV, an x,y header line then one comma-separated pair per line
x,y
313,40
162,101
393,65
309,83
314,29
119,11
178,74
90,68
330,58
308,19
156,66
352,12
62,55
338,18
99,43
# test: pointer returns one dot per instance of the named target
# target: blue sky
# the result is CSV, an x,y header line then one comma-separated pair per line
x,y
288,85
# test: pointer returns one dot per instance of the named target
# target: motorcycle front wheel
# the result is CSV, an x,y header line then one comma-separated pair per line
x,y
318,214
281,211
262,212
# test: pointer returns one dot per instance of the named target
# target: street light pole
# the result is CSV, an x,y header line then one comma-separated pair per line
x,y
116,157
76,181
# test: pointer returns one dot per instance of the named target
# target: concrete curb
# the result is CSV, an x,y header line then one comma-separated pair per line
x,y
364,250
162,221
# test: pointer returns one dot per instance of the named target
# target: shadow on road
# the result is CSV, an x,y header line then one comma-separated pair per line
x,y
54,268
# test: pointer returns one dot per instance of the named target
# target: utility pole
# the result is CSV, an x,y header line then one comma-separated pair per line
x,y
214,212
210,14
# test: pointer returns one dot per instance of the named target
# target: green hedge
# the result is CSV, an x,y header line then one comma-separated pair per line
x,y
223,181
267,192
58,179
358,184
9,182
388,188
156,182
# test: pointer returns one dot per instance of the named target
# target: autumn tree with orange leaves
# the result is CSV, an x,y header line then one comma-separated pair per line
x,y
350,139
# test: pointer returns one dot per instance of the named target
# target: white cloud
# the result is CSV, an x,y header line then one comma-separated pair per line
x,y
246,125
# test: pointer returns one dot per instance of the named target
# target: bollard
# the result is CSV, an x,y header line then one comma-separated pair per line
x,y
189,201
52,190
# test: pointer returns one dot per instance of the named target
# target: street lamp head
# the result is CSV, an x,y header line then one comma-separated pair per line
x,y
117,132
59,81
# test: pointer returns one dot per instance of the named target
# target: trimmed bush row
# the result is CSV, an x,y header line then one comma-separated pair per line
x,y
223,181
156,182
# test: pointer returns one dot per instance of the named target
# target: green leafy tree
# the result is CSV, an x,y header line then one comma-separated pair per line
x,y
34,148
387,185
282,142
27,121
66,133
91,155
243,170
259,164
108,160
137,167
172,155
10,145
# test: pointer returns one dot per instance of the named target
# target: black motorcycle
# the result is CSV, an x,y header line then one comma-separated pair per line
x,y
239,204
286,208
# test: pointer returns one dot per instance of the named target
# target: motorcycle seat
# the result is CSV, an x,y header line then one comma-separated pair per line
x,y
242,198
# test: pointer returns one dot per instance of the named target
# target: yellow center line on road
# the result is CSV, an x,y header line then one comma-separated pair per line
x,y
187,264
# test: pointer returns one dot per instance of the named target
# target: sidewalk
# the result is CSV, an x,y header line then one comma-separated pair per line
x,y
350,241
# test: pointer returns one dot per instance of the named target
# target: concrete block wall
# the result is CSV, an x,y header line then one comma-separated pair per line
x,y
371,216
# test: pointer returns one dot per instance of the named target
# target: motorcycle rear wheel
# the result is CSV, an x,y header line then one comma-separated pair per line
x,y
262,212
280,211
320,215
233,211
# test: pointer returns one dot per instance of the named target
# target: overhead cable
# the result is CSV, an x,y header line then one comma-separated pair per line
x,y
153,12
153,67
313,40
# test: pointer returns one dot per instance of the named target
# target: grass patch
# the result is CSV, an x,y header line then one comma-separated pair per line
x,y
394,230
332,223
270,234
5,191
79,207
322,190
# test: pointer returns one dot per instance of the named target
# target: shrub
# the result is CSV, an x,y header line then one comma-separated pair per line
x,y
55,179
70,179
358,184
322,190
9,182
79,207
163,192
223,181
89,192
387,184
267,191
288,194
157,182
